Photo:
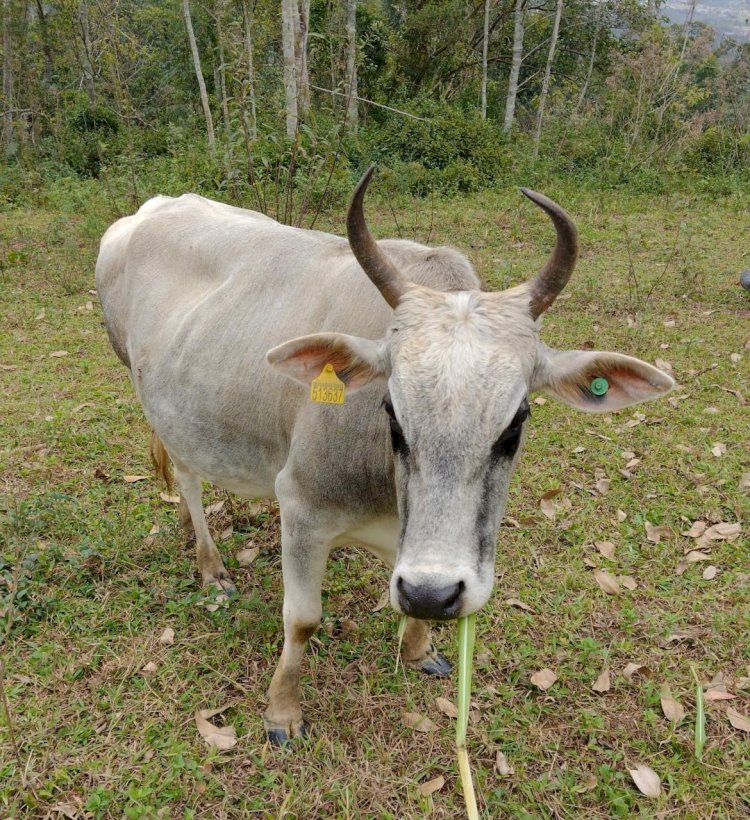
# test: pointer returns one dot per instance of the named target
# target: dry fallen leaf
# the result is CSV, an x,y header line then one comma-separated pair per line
x,y
149,668
8,367
717,694
431,786
606,548
709,573
602,683
655,534
589,784
723,531
602,485
217,506
621,516
607,581
696,530
696,555
518,603
540,400
744,483
170,499
383,601
737,720
131,479
672,709
719,449
543,679
418,722
247,556
348,626
627,581
647,780
633,669
167,636
58,354
504,769
446,707
220,737
664,365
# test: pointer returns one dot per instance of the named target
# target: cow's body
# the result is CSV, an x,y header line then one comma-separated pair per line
x,y
185,270
199,298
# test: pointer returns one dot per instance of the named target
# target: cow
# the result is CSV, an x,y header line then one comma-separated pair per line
x,y
200,297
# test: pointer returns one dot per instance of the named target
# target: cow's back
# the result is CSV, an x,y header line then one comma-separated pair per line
x,y
196,292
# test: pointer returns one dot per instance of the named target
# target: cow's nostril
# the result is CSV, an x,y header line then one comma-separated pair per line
x,y
427,601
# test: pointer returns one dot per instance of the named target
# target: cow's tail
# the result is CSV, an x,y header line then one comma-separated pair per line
x,y
161,461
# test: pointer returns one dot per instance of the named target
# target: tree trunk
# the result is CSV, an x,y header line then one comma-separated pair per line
x,y
88,70
7,102
219,17
249,89
46,47
515,67
547,74
302,22
590,69
351,64
288,13
485,40
199,77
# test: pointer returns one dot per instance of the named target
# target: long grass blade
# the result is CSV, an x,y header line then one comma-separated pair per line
x,y
700,718
466,631
400,633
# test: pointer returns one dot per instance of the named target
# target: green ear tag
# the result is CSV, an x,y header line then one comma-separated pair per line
x,y
599,386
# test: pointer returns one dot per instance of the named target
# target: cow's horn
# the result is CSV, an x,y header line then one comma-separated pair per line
x,y
374,262
552,278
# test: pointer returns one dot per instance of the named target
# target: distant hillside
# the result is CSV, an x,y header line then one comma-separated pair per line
x,y
730,18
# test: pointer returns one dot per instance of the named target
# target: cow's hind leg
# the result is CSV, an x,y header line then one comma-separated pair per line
x,y
303,559
211,566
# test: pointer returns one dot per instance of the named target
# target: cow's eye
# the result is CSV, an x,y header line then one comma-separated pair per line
x,y
508,441
397,434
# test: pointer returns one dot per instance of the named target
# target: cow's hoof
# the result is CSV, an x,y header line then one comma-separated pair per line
x,y
435,664
223,583
281,736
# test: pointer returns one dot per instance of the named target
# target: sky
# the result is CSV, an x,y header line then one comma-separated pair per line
x,y
728,17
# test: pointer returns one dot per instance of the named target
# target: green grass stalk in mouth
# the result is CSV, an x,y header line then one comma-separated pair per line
x,y
466,626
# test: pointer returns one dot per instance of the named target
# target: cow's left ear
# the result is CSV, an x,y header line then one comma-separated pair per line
x,y
598,382
356,361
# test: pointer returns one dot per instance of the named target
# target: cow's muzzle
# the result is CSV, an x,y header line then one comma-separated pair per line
x,y
425,600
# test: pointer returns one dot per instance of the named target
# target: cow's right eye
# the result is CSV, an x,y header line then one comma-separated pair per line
x,y
397,434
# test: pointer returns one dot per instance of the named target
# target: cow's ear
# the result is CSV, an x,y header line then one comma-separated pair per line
x,y
598,382
356,361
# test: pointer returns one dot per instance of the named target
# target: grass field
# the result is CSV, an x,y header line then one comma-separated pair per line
x,y
93,568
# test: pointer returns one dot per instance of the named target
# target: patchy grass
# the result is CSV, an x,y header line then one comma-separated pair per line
x,y
86,587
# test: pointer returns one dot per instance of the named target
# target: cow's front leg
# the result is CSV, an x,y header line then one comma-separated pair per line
x,y
303,564
418,652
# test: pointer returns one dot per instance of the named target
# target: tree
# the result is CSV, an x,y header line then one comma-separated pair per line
x,y
86,62
351,64
248,87
302,23
199,76
485,38
515,66
289,10
8,101
547,74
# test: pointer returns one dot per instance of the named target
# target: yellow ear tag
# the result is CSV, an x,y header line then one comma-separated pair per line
x,y
328,387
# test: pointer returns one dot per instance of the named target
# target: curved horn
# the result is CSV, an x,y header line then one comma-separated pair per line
x,y
374,262
552,278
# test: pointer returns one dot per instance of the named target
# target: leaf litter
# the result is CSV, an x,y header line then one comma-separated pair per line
x,y
220,737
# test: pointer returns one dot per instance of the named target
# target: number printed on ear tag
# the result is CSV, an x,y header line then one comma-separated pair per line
x,y
328,387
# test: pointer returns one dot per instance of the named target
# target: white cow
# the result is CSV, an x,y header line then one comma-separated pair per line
x,y
200,297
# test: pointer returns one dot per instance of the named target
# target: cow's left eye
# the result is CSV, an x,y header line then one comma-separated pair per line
x,y
397,434
508,441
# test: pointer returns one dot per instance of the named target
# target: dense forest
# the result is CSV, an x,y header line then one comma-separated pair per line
x,y
279,105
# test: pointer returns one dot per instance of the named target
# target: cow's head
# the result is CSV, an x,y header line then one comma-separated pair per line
x,y
460,367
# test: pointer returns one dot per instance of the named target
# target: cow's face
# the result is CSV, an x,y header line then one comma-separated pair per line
x,y
461,366
458,369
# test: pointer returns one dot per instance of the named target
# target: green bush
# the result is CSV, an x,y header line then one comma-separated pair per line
x,y
718,151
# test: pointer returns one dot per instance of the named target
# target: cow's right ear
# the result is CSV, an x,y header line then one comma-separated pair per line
x,y
356,361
